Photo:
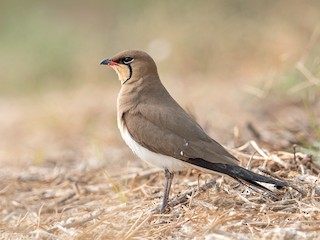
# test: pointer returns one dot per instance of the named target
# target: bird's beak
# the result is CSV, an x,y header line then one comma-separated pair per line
x,y
108,61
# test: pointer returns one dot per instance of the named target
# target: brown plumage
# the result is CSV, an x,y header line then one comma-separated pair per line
x,y
159,131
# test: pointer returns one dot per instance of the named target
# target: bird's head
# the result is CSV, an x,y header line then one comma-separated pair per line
x,y
131,65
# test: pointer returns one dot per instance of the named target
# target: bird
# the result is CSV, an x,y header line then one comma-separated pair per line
x,y
159,131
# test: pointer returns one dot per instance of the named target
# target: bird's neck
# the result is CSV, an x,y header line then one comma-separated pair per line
x,y
140,91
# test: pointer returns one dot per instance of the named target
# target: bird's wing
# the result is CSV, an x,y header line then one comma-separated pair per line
x,y
199,152
172,132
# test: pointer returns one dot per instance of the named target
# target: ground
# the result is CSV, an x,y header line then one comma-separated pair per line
x,y
74,189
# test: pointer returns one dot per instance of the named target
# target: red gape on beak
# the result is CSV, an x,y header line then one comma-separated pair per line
x,y
108,61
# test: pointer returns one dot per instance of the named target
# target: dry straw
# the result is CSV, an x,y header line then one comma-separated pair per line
x,y
59,203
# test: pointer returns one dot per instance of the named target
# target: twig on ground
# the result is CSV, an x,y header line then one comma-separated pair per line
x,y
70,196
294,153
253,130
134,230
184,197
78,221
290,184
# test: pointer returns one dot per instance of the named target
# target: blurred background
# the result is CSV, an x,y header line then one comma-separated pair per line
x,y
245,69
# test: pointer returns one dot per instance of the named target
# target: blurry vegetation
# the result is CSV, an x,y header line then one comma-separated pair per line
x,y
297,85
58,44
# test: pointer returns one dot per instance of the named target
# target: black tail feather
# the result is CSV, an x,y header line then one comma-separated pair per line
x,y
238,173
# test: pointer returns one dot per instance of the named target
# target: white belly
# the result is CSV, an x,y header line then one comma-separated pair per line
x,y
156,159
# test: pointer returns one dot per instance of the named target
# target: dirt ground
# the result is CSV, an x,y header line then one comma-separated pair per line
x,y
68,174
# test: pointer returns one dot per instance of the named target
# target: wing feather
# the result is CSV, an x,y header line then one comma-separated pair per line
x,y
172,132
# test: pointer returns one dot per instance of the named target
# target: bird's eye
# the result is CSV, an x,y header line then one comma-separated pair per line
x,y
127,60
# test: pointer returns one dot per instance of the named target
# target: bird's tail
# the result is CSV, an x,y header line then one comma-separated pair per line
x,y
238,173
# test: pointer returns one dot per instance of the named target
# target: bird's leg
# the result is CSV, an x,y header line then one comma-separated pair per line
x,y
169,176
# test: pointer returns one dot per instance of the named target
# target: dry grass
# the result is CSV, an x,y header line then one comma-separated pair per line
x,y
66,200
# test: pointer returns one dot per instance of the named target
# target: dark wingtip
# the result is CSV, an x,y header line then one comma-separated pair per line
x,y
238,173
